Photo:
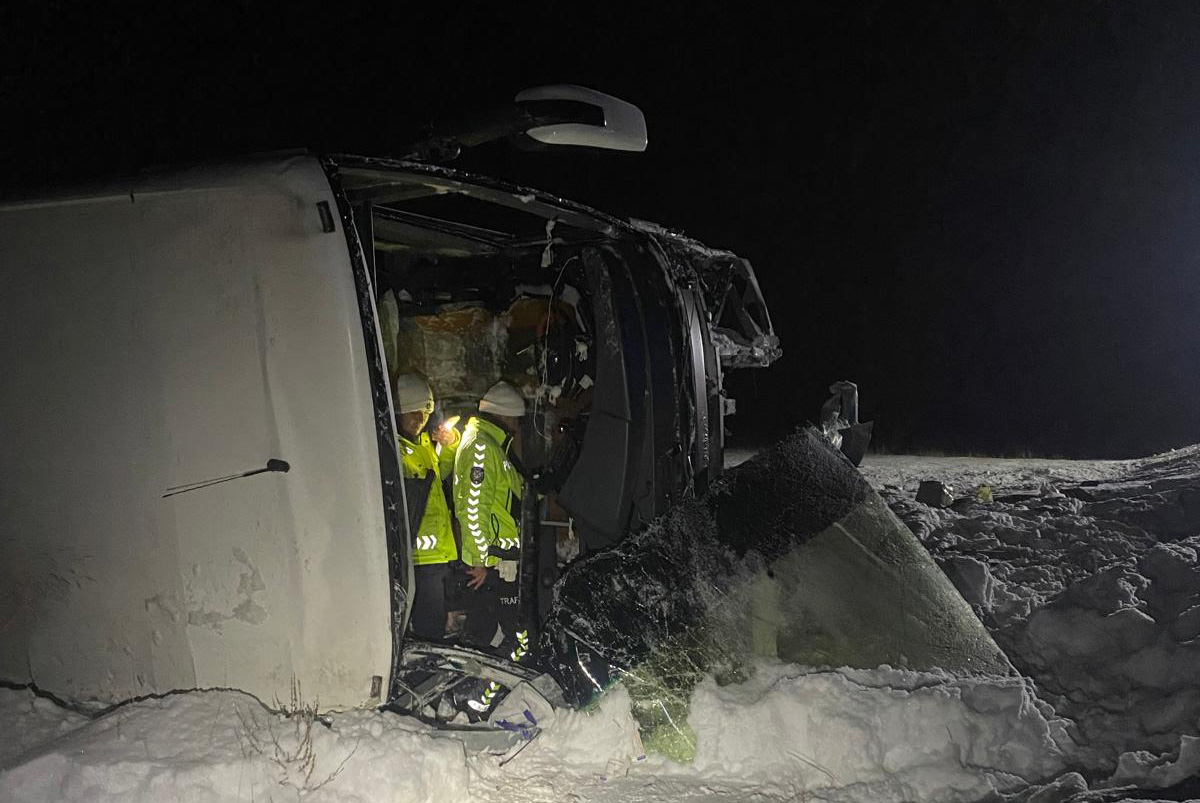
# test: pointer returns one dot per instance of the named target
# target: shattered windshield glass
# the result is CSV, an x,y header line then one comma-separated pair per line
x,y
792,556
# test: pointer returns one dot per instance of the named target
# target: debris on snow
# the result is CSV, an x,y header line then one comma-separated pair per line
x,y
935,494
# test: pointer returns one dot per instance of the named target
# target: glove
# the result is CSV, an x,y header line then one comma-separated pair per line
x,y
507,570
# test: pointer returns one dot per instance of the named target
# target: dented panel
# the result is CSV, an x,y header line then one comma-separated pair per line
x,y
189,330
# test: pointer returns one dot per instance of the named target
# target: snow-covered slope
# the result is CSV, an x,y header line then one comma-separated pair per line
x,y
1086,573
884,735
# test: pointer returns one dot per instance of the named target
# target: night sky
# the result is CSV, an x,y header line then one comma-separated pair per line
x,y
987,214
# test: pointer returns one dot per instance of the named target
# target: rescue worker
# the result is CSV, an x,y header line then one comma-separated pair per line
x,y
487,502
433,540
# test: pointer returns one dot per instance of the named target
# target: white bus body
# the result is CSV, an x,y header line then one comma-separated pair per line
x,y
154,335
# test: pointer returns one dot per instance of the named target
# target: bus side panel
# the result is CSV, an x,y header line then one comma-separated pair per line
x,y
190,331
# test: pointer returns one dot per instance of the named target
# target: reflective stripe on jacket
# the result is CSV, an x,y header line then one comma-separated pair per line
x,y
434,540
487,493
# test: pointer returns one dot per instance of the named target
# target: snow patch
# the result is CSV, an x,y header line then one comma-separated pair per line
x,y
1092,590
877,735
31,721
219,746
847,735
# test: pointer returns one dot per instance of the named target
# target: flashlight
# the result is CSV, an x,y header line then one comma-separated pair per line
x,y
450,422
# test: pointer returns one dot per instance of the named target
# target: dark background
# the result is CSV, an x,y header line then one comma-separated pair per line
x,y
985,213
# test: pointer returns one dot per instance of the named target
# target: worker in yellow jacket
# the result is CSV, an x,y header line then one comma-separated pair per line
x,y
433,541
487,502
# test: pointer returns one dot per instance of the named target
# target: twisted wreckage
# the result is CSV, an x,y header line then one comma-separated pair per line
x,y
201,486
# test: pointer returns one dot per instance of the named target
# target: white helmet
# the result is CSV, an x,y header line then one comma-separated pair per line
x,y
503,399
413,394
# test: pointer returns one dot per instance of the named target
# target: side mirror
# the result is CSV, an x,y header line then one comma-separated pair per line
x,y
560,114
619,126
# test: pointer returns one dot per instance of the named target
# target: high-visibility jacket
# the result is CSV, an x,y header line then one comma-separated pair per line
x,y
487,493
434,538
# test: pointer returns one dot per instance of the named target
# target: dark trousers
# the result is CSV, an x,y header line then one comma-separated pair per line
x,y
429,602
494,603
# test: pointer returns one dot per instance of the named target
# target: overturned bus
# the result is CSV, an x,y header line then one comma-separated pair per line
x,y
199,485
200,476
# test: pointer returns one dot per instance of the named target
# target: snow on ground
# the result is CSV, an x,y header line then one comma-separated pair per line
x,y
831,735
38,721
968,473
834,735
223,745
1087,574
